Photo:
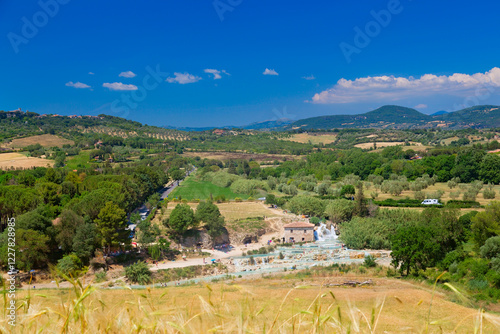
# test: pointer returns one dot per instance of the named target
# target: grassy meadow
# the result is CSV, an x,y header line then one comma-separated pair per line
x,y
193,189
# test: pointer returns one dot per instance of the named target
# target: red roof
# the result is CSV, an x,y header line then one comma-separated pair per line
x,y
299,225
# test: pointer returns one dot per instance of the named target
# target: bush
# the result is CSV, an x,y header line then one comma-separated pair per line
x,y
100,277
69,265
138,273
489,192
462,204
491,248
419,195
370,262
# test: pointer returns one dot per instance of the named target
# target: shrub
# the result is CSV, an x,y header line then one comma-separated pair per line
x,y
100,277
370,262
489,192
419,195
462,204
238,199
491,248
138,273
69,265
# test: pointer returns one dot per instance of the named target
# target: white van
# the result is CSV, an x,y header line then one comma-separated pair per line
x,y
431,202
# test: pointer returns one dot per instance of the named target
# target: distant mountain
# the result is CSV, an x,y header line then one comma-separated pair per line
x,y
265,125
268,125
487,116
441,112
383,117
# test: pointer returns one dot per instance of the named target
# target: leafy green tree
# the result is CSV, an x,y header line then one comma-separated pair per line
x,y
111,225
85,241
181,219
31,249
69,265
138,273
361,208
177,175
307,205
490,169
147,233
491,248
270,199
340,210
467,164
66,229
33,220
347,190
413,248
49,192
486,224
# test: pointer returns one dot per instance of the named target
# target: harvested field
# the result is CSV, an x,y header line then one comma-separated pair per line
x,y
237,155
46,140
18,160
381,144
325,138
230,211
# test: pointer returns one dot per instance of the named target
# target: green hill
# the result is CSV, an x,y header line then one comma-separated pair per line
x,y
397,117
383,117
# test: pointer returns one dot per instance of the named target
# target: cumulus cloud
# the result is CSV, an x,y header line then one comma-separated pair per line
x,y
183,78
310,77
127,74
270,72
420,106
91,73
119,86
396,88
77,84
216,73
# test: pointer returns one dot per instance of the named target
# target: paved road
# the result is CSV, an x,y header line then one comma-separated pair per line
x,y
171,186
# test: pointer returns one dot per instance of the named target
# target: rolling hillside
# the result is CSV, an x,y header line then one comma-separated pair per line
x,y
397,117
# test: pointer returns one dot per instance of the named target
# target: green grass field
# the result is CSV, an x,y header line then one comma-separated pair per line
x,y
191,189
77,161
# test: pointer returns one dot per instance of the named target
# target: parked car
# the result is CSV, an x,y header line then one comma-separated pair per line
x,y
431,202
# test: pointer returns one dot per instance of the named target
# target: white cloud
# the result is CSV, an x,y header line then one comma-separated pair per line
x,y
310,77
91,73
397,88
224,71
216,73
77,84
420,106
119,86
270,72
183,78
127,74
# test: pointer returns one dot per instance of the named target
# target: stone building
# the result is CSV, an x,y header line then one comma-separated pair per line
x,y
299,232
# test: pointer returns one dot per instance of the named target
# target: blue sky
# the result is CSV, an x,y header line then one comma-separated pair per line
x,y
233,62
